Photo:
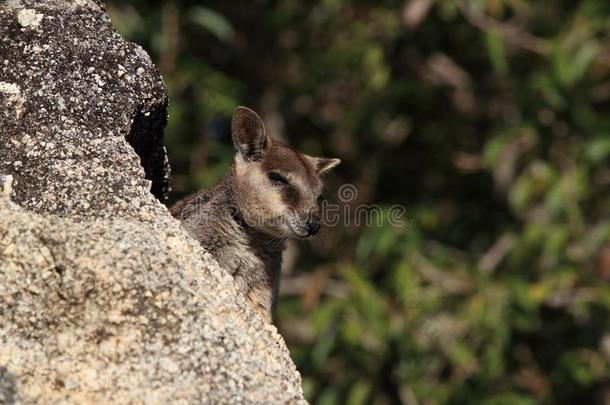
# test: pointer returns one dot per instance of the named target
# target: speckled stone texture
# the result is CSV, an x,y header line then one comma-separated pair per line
x,y
103,296
72,90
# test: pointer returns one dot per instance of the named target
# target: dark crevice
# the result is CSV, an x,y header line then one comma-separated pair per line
x,y
146,138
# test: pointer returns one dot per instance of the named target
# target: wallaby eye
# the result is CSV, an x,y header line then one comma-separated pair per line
x,y
321,199
277,178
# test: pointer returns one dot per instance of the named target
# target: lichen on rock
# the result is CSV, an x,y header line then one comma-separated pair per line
x,y
28,17
103,297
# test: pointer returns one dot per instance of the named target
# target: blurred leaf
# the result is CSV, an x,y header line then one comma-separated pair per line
x,y
329,396
551,93
497,53
359,393
598,149
212,21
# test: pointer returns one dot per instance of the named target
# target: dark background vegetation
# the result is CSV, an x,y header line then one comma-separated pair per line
x,y
488,120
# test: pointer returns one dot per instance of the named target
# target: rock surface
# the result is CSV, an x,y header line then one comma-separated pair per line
x,y
71,91
103,297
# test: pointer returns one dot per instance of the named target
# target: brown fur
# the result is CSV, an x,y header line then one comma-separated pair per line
x,y
245,220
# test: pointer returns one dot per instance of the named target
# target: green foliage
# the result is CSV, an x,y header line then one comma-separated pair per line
x,y
488,120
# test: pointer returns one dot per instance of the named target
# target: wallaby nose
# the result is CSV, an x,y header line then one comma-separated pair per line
x,y
313,225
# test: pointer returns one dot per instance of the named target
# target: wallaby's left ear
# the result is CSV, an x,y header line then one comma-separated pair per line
x,y
249,135
324,165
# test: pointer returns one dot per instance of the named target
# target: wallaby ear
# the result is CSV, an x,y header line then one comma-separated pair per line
x,y
323,165
249,135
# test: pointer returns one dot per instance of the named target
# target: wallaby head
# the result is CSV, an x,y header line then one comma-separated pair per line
x,y
277,189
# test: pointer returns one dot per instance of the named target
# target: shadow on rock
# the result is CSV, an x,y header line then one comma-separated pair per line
x,y
7,387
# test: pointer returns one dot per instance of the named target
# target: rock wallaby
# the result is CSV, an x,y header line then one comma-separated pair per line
x,y
271,193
